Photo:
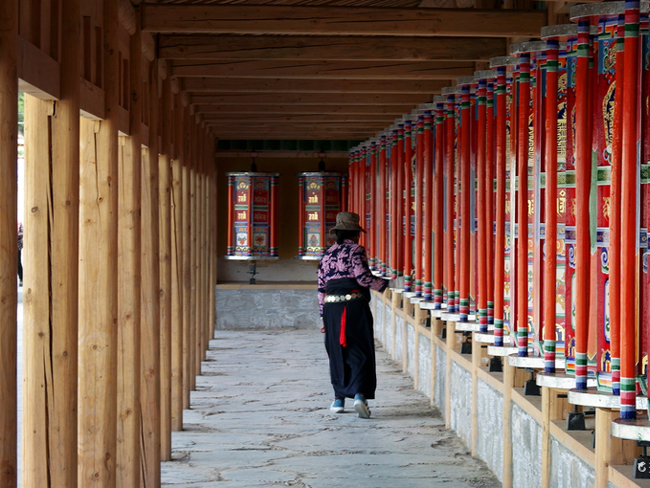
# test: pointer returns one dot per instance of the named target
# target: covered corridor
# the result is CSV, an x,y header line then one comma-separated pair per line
x,y
259,418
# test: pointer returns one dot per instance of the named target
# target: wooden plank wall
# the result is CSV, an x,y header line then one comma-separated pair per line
x,y
120,262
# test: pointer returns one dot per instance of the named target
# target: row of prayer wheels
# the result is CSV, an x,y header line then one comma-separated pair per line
x,y
253,213
520,198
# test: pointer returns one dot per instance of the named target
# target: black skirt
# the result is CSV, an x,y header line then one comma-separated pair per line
x,y
351,353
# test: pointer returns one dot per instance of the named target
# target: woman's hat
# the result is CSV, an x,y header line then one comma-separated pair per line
x,y
347,221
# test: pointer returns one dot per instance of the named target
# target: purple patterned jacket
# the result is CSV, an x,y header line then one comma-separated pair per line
x,y
347,260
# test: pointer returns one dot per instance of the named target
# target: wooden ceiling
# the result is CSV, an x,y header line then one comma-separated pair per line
x,y
326,69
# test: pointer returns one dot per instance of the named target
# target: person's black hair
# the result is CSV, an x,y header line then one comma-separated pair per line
x,y
342,235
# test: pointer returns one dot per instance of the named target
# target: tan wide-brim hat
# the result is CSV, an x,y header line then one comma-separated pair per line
x,y
347,221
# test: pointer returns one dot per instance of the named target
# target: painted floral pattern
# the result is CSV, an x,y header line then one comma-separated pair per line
x,y
347,260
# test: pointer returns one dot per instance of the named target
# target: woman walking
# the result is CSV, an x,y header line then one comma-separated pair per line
x,y
344,283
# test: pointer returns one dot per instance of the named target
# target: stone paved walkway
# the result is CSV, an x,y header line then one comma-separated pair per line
x,y
260,418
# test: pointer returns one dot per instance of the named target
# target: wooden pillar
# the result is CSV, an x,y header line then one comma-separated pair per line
x,y
179,344
419,199
193,229
167,344
98,277
185,260
150,323
129,279
408,209
51,249
8,240
213,236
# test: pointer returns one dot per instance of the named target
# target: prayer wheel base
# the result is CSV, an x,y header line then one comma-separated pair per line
x,y
635,430
488,338
502,351
591,397
560,381
533,362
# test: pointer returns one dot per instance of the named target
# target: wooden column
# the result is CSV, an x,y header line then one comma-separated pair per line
x,y
408,208
373,189
481,171
394,222
450,281
419,199
51,249
427,284
550,211
193,228
466,189
98,277
8,240
213,235
179,344
399,195
167,344
152,333
583,185
523,112
129,279
438,218
185,259
629,212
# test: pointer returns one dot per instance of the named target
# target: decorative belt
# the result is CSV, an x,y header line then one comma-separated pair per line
x,y
343,298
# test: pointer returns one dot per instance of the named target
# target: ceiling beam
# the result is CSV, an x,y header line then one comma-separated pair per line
x,y
298,118
256,19
331,48
298,135
299,85
396,110
262,99
430,70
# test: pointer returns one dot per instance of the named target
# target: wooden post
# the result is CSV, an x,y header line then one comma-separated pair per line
x,y
464,224
629,231
615,218
393,188
583,185
179,341
150,325
399,195
408,206
481,157
438,246
213,236
194,227
450,160
51,279
490,166
8,240
381,208
418,203
98,277
609,450
167,343
427,284
129,279
373,190
185,257
550,211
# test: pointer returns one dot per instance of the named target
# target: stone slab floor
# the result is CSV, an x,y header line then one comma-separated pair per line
x,y
260,418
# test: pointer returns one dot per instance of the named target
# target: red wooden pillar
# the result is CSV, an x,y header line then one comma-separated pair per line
x,y
523,111
382,209
481,167
466,188
629,230
438,201
615,216
501,159
583,184
489,193
372,189
394,222
427,287
408,206
399,196
450,163
418,201
550,166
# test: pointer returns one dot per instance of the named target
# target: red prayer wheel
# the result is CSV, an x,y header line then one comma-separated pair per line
x,y
252,215
321,199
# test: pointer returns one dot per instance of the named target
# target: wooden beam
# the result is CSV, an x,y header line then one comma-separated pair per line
x,y
39,74
396,110
311,98
386,70
315,119
300,85
341,21
333,48
279,154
